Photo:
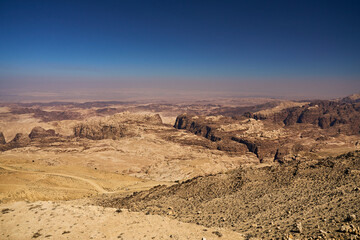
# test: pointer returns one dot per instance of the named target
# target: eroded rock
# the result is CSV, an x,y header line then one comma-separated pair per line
x,y
39,132
2,139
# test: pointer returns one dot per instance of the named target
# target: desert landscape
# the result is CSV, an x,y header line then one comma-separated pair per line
x,y
238,169
198,120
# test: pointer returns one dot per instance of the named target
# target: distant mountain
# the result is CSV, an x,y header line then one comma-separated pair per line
x,y
354,98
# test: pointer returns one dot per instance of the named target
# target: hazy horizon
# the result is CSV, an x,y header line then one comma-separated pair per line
x,y
113,50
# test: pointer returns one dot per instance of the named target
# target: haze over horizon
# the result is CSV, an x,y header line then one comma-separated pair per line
x,y
117,49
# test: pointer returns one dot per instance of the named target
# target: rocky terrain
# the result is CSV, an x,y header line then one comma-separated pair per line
x,y
280,135
312,199
229,168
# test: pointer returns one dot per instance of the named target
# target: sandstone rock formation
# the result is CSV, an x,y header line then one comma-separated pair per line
x,y
39,132
336,116
100,131
20,139
114,127
2,139
227,141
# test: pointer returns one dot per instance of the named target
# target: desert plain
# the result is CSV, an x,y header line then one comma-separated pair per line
x,y
222,168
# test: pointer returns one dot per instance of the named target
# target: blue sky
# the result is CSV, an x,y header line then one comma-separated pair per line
x,y
221,43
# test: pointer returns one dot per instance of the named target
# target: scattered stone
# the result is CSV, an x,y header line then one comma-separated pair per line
x,y
217,233
118,210
6,210
298,227
345,228
36,235
350,217
289,237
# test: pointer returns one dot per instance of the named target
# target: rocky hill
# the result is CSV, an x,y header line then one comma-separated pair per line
x,y
300,199
354,98
280,134
240,135
335,116
114,127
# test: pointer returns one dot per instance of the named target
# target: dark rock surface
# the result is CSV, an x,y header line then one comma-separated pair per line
x,y
2,139
98,132
335,116
263,149
20,139
39,132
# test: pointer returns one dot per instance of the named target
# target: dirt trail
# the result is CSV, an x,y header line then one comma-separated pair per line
x,y
97,187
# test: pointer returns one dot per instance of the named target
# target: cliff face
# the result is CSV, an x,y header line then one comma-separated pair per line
x,y
226,141
114,127
338,116
282,135
99,131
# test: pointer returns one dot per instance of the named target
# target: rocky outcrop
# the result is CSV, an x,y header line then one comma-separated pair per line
x,y
264,150
100,131
340,117
198,126
37,136
2,139
354,98
115,127
39,132
231,146
46,116
20,139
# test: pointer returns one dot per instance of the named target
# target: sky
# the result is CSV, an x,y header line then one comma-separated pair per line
x,y
245,48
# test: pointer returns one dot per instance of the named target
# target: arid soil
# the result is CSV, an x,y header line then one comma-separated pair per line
x,y
76,220
204,169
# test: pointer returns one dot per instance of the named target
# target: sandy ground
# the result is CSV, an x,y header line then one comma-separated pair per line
x,y
72,220
26,182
